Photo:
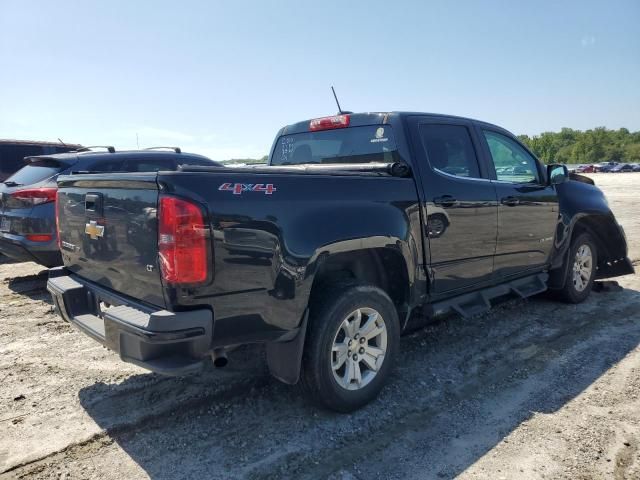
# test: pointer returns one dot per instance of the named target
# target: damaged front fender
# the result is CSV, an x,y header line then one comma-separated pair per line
x,y
584,208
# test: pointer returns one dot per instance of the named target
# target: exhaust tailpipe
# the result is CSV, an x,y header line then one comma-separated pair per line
x,y
219,357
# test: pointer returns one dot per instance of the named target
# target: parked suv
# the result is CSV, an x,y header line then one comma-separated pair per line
x,y
27,212
13,153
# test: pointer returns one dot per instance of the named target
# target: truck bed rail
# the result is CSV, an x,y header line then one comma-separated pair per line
x,y
395,169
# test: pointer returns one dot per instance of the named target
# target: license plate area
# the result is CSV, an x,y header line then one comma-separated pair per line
x,y
101,304
5,224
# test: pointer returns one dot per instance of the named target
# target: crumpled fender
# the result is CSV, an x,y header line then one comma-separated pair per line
x,y
583,207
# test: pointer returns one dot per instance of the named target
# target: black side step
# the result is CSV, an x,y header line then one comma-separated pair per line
x,y
478,302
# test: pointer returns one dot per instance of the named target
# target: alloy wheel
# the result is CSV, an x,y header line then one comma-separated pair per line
x,y
359,348
582,267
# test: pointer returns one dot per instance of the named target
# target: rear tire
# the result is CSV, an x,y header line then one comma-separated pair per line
x,y
581,271
351,345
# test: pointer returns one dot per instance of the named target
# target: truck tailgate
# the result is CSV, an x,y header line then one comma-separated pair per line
x,y
109,233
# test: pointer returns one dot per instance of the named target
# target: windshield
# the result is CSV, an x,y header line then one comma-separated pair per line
x,y
36,171
371,143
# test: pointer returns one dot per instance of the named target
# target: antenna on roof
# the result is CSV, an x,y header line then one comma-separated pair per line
x,y
340,111
62,142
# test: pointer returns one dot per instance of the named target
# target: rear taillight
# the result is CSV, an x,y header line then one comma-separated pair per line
x,y
40,237
329,123
36,196
58,221
182,241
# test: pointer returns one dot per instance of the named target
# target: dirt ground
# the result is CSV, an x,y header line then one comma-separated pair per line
x,y
534,389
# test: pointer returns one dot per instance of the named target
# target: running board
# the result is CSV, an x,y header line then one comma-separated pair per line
x,y
475,303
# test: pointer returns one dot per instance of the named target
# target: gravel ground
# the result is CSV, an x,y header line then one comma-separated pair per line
x,y
534,389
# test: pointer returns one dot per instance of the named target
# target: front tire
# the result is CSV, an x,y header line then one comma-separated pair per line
x,y
351,346
581,271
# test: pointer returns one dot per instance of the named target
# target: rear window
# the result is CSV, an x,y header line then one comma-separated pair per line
x,y
372,143
37,171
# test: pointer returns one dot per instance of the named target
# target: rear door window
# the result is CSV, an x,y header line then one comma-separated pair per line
x,y
366,144
108,165
450,150
149,165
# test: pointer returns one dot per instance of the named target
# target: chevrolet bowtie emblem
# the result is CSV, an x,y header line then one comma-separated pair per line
x,y
94,230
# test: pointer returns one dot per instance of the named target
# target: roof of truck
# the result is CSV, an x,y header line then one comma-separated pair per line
x,y
375,118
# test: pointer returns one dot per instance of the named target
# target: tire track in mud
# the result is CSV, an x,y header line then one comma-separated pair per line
x,y
624,458
330,460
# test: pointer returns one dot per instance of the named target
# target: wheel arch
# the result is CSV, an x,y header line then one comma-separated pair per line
x,y
610,243
390,266
382,267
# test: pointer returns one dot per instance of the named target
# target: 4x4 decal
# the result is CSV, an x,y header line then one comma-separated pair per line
x,y
238,188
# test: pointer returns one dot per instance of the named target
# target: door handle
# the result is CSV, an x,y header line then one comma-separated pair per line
x,y
445,201
510,201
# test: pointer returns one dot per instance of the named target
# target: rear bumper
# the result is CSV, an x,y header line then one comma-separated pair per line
x,y
21,249
169,343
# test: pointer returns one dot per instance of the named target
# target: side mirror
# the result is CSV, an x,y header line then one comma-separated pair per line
x,y
557,174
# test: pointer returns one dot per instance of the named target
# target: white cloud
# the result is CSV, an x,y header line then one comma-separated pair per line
x,y
587,40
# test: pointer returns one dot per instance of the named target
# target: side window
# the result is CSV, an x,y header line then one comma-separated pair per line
x,y
512,162
450,150
155,165
108,165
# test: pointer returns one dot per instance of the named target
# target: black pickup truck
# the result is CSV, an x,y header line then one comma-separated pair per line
x,y
358,222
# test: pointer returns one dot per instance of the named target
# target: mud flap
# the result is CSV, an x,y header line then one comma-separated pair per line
x,y
285,358
558,276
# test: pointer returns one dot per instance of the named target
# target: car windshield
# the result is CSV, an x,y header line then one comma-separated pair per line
x,y
36,171
366,144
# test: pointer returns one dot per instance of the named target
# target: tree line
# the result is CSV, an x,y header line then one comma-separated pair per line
x,y
590,146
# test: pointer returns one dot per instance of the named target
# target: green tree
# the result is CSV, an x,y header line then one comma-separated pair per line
x,y
632,152
591,146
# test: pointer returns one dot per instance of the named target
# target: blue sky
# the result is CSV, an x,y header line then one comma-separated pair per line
x,y
220,78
